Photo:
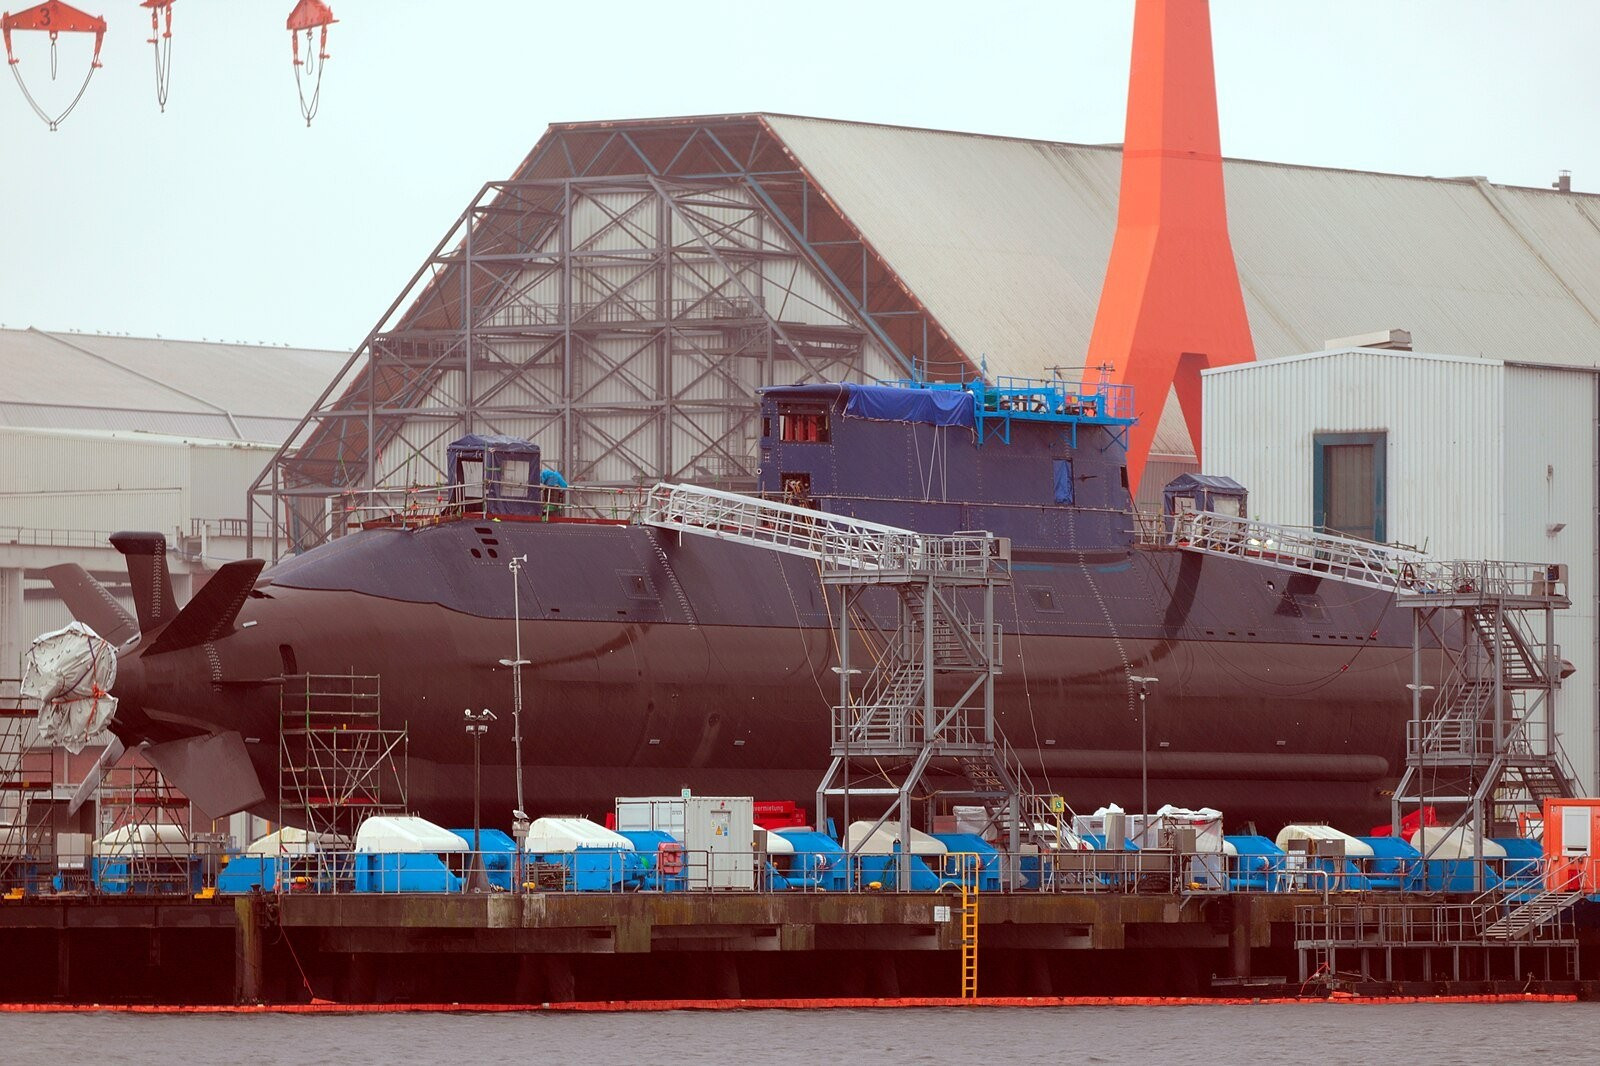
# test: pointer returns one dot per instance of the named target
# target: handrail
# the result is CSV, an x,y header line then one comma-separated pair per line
x,y
1405,571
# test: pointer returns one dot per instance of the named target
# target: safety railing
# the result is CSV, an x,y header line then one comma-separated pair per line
x,y
841,543
417,506
1331,880
1402,570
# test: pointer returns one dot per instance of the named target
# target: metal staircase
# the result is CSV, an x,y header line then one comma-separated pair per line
x,y
927,701
1531,916
1486,750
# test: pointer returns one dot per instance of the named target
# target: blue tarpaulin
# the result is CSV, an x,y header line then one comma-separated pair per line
x,y
1063,480
939,407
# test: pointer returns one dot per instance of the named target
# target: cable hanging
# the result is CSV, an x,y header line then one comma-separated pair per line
x,y
53,18
161,41
309,16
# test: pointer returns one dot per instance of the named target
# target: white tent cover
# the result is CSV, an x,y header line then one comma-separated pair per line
x,y
884,840
560,834
144,841
1353,848
405,834
1447,843
293,841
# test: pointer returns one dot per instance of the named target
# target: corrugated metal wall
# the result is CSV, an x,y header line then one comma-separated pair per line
x,y
1482,459
1550,478
40,461
1442,416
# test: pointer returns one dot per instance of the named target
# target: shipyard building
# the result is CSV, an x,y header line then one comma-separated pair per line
x,y
623,295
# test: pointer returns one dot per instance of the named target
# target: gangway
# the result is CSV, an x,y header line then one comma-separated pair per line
x,y
927,700
1487,748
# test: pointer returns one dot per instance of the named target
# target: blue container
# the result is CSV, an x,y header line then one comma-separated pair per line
x,y
403,872
1258,866
651,869
988,859
1522,876
499,855
1395,866
885,870
248,873
152,877
817,862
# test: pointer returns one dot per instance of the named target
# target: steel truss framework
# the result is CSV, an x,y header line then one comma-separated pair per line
x,y
1487,753
620,300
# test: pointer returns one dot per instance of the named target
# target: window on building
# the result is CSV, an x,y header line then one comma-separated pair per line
x,y
1349,484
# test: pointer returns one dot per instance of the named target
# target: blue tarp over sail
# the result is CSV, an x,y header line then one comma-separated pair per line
x,y
939,407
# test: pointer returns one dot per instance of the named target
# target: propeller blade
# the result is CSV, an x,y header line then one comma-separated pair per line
x,y
96,774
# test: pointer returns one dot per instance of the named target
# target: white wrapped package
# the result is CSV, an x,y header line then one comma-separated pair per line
x,y
70,672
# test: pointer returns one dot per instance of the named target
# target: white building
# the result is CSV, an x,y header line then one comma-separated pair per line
x,y
1468,458
100,433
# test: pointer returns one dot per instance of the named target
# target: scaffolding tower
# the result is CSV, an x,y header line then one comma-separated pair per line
x,y
337,767
1487,749
26,773
905,724
146,841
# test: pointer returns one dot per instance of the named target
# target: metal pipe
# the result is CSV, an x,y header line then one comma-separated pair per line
x,y
1144,684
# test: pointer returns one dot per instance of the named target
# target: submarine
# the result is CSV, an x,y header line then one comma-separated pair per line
x,y
656,662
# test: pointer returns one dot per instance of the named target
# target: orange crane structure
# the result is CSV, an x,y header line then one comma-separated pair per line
x,y
1171,305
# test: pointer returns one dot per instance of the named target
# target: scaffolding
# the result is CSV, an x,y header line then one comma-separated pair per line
x,y
1496,934
1487,751
146,841
621,299
26,778
927,702
337,767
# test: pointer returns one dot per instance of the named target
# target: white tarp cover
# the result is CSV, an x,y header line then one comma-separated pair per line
x,y
409,835
1448,843
1353,848
776,843
884,840
561,834
145,841
1206,822
291,840
70,672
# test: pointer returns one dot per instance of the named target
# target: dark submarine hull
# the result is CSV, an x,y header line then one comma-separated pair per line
x,y
658,664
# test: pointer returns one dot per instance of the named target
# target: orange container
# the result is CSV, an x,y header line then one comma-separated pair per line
x,y
1572,844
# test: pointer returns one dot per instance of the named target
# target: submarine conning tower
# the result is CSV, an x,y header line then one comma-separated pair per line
x,y
1043,461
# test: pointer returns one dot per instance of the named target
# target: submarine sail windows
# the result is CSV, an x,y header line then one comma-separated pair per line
x,y
1349,484
804,427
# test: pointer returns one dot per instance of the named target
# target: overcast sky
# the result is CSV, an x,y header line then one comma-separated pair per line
x,y
227,218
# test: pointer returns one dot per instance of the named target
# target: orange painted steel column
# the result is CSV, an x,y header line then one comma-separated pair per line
x,y
1171,305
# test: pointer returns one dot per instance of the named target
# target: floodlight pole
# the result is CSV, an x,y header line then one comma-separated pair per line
x,y
477,726
519,817
1144,684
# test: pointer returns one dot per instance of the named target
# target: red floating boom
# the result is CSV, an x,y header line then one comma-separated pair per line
x,y
162,41
309,15
54,18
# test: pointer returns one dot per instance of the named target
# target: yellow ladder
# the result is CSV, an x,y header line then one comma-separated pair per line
x,y
969,865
